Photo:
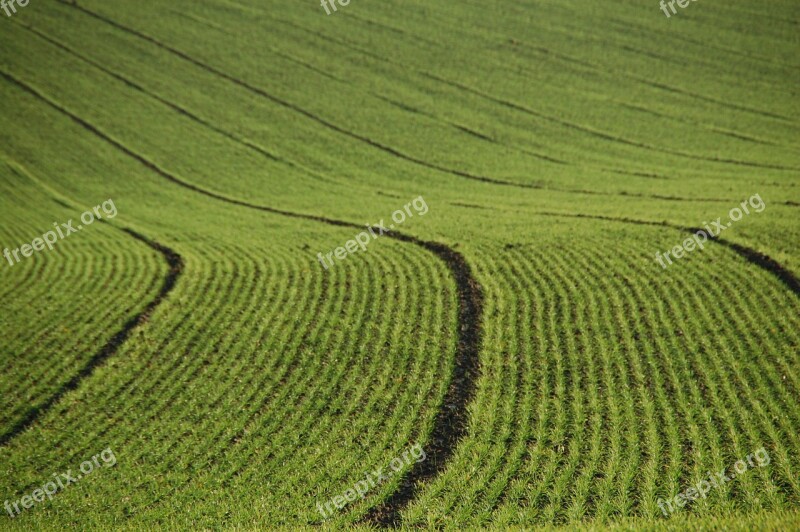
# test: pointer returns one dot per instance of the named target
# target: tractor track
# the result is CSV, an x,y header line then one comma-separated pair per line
x,y
451,420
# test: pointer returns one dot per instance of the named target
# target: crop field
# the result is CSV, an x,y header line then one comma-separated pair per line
x,y
421,264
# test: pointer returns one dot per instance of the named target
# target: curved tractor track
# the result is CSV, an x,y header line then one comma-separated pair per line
x,y
391,151
762,260
175,262
450,423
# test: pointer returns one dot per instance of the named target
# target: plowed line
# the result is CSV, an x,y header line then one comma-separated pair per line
x,y
283,103
175,263
751,255
600,134
399,154
182,111
450,423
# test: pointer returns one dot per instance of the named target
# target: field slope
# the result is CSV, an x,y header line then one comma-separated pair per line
x,y
518,328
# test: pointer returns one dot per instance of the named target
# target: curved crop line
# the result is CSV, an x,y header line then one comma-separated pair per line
x,y
468,131
715,129
279,53
576,125
388,149
626,24
279,101
600,134
546,52
175,262
566,30
762,260
450,423
180,110
751,255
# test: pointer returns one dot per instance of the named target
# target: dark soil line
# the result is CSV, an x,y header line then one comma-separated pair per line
x,y
175,263
243,141
601,134
287,105
450,424
370,142
761,260
141,89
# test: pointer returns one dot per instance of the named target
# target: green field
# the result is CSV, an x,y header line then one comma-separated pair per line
x,y
520,330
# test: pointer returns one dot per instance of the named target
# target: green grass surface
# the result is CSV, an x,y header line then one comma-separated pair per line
x,y
558,147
